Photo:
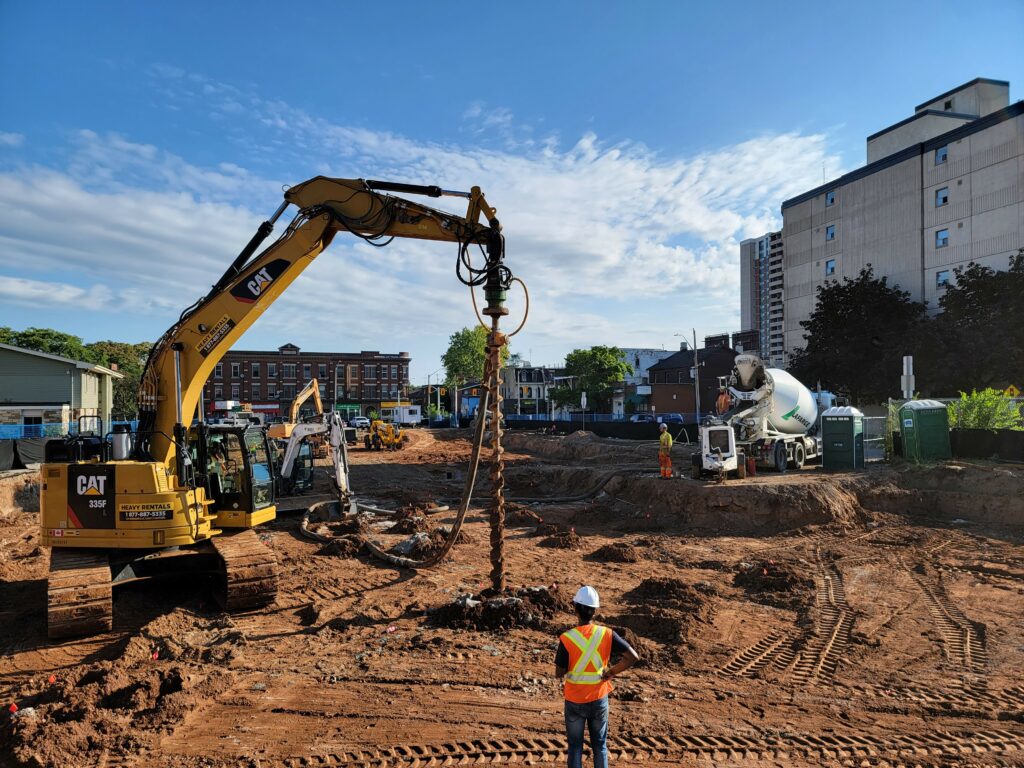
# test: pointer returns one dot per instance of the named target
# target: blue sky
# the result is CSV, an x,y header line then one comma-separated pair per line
x,y
629,147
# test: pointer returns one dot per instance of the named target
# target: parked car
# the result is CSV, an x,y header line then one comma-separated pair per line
x,y
670,418
641,418
359,422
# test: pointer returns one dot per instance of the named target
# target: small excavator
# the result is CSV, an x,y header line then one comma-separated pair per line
x,y
383,436
176,498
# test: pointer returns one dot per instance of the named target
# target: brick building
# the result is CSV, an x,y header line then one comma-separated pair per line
x,y
352,382
672,385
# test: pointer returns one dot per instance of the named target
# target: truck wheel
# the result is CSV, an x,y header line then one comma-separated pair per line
x,y
799,456
695,467
781,459
366,443
741,467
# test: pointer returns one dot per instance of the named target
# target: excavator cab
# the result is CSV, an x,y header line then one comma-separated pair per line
x,y
301,479
239,475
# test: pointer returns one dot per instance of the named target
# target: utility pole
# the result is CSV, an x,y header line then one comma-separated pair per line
x,y
696,377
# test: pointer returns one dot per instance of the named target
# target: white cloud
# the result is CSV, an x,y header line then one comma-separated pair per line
x,y
614,240
34,292
11,139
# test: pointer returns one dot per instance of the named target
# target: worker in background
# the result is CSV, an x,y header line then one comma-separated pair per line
x,y
665,451
584,660
724,401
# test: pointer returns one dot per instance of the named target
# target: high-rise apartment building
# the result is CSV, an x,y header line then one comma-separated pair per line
x,y
942,188
761,294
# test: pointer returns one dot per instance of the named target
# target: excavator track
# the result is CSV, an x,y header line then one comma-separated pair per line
x,y
78,594
250,571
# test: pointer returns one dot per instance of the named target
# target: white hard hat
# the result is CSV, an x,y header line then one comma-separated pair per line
x,y
663,426
587,596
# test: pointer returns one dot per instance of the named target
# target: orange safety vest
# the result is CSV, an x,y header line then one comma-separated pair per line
x,y
590,650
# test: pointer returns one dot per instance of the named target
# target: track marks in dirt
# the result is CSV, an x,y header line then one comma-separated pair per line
x,y
945,700
820,656
772,650
633,749
961,642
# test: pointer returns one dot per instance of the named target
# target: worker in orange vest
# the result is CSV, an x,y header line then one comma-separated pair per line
x,y
724,402
584,660
665,451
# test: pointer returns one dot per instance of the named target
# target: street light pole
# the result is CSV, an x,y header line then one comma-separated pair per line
x,y
696,377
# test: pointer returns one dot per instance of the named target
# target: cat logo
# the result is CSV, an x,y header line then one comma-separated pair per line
x,y
253,285
91,485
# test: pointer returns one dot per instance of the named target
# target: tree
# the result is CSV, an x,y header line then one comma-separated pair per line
x,y
857,335
466,355
978,339
595,371
130,360
52,343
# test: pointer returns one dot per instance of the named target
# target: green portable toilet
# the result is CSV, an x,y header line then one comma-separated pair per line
x,y
842,439
925,427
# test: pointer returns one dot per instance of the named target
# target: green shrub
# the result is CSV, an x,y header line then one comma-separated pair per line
x,y
988,409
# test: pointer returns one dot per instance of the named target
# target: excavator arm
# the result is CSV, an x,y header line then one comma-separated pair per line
x,y
310,390
184,357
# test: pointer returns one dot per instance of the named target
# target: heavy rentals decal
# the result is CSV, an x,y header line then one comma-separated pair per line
x,y
90,496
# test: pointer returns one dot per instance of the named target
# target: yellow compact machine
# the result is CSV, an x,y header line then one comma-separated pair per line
x,y
178,497
383,435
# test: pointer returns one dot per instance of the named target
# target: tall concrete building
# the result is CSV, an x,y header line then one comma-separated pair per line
x,y
761,294
941,189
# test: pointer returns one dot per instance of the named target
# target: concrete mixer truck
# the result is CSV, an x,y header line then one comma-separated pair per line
x,y
773,419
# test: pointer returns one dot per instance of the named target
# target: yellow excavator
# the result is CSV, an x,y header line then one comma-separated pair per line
x,y
175,498
283,430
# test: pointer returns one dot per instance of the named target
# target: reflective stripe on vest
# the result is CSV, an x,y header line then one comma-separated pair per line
x,y
588,654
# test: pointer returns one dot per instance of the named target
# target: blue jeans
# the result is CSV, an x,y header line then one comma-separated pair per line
x,y
593,715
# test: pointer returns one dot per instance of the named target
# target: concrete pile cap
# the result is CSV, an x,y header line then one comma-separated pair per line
x,y
842,410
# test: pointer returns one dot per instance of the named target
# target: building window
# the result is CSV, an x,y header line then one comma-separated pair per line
x,y
218,392
307,371
830,199
369,371
322,370
948,105
255,390
942,278
940,155
272,370
394,371
272,391
830,267
236,391
255,370
323,390
236,370
830,232
942,238
288,391
353,372
218,371
288,369
941,197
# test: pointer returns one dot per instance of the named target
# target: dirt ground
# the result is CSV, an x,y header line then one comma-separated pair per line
x,y
801,619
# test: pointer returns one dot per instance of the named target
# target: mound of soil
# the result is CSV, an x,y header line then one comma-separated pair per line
x,y
564,540
175,663
619,552
526,607
420,545
520,516
343,546
547,529
782,584
673,593
410,524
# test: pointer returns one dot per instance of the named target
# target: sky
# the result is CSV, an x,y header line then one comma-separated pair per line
x,y
629,147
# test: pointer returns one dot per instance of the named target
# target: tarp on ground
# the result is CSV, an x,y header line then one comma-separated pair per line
x,y
6,454
30,450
